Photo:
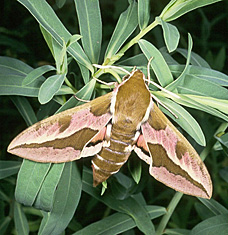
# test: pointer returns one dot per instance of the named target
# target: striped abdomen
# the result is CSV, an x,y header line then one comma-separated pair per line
x,y
111,157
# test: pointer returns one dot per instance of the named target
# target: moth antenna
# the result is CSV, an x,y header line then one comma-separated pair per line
x,y
158,101
86,101
111,67
105,83
155,84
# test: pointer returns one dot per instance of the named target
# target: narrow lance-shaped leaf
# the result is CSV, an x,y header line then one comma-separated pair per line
x,y
202,73
177,8
181,78
34,74
25,109
29,181
45,15
90,25
66,200
124,28
143,13
20,220
8,168
163,75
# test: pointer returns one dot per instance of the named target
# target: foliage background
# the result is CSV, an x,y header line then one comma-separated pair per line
x,y
20,38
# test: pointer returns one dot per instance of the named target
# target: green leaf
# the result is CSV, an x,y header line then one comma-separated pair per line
x,y
195,59
177,231
12,74
224,173
215,207
170,34
219,104
50,87
45,197
214,225
29,181
20,220
202,73
36,73
66,200
135,169
125,26
84,93
8,168
177,8
194,86
158,63
90,25
143,13
129,205
182,76
185,120
4,223
118,222
25,109
188,102
45,15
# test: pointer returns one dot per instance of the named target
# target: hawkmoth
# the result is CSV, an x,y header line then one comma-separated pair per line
x,y
109,128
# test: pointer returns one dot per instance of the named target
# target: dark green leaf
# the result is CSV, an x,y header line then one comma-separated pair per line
x,y
8,168
29,181
214,225
20,220
66,200
25,109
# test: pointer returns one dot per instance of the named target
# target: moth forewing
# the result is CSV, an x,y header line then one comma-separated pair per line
x,y
62,137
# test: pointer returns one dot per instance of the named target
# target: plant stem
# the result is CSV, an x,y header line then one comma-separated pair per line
x,y
171,207
113,59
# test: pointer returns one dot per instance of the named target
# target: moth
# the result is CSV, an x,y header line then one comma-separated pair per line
x,y
109,128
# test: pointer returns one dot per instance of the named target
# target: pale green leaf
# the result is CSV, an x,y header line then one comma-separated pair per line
x,y
171,35
36,73
158,63
125,26
50,87
177,8
45,15
90,25
143,13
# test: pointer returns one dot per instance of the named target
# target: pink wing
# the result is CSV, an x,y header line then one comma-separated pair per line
x,y
67,136
172,159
